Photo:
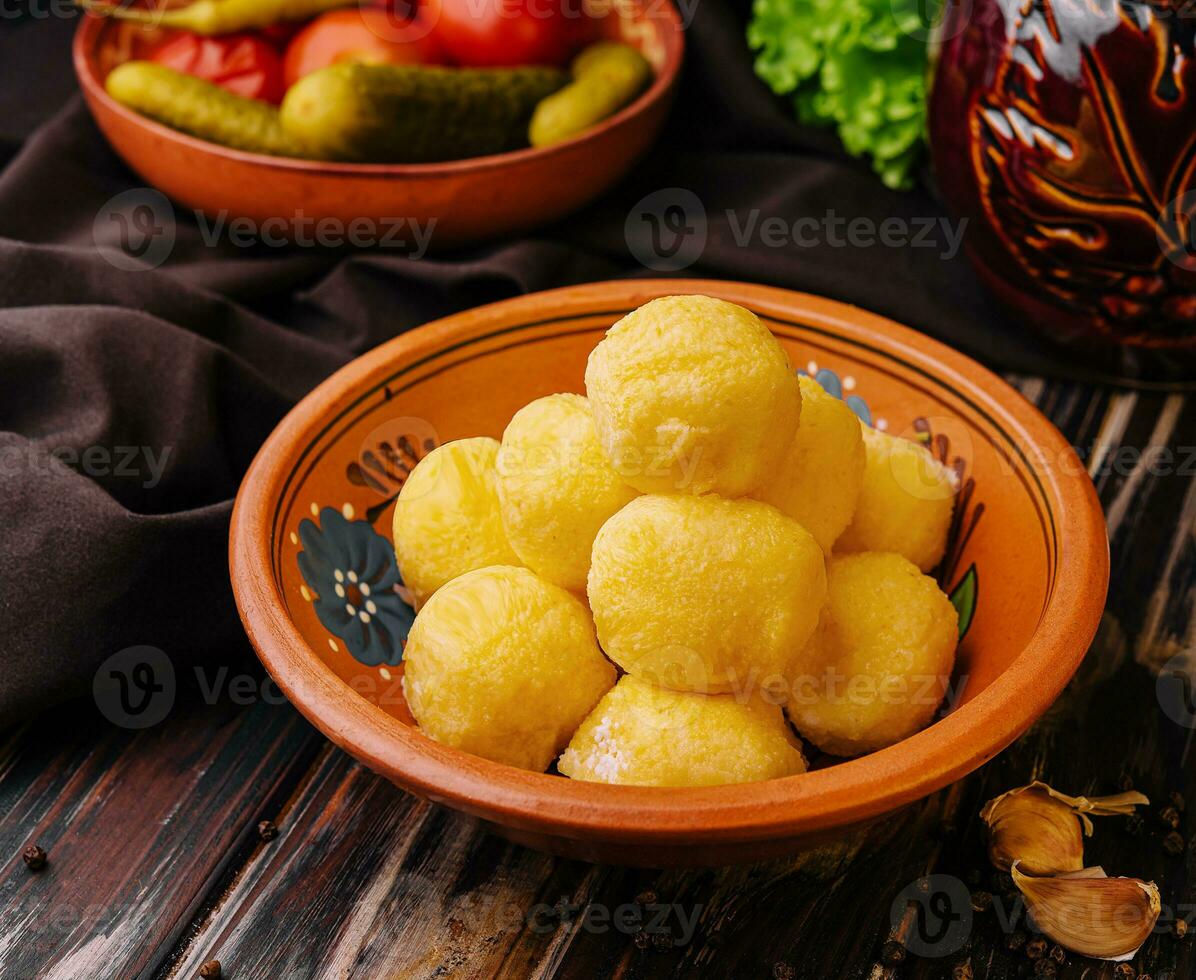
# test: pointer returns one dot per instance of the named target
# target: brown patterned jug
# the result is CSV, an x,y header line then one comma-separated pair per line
x,y
1066,131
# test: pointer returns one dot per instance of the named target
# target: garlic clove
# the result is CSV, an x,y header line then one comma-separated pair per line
x,y
1032,827
1044,829
1090,914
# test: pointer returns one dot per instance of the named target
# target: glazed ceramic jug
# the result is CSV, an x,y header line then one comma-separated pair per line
x,y
1065,130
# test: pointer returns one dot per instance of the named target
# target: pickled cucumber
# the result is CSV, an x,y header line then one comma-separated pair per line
x,y
215,17
414,113
607,76
200,108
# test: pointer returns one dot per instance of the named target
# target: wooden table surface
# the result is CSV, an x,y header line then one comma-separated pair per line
x,y
155,863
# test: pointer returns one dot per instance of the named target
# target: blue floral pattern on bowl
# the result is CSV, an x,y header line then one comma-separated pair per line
x,y
352,572
833,386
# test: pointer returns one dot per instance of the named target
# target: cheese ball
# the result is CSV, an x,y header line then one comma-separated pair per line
x,y
642,735
557,488
819,480
878,666
447,519
905,504
705,594
693,395
504,665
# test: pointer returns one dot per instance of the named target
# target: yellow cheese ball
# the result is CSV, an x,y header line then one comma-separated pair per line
x,y
447,519
818,482
906,502
504,665
557,488
879,664
643,735
705,594
692,395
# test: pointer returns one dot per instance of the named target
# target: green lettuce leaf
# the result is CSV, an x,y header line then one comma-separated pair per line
x,y
857,65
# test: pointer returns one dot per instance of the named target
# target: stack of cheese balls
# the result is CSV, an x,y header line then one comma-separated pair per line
x,y
727,533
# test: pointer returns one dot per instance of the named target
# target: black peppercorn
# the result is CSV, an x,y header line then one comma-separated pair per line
x,y
1173,843
266,830
642,940
1045,967
981,901
783,971
1015,940
892,953
35,857
211,970
1178,801
1059,954
1036,948
646,898
1169,817
662,940
1134,824
1124,971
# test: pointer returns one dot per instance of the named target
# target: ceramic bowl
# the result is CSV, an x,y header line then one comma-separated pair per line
x,y
1027,565
469,200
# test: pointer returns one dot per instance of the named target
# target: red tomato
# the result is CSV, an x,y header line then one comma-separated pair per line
x,y
281,34
241,63
503,33
366,35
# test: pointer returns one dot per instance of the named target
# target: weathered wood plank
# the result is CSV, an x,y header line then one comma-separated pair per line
x,y
367,882
478,908
138,825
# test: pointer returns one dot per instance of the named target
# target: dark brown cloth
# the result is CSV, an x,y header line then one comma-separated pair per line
x,y
191,364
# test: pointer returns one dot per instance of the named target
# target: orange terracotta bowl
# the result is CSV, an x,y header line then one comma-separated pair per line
x,y
1028,547
469,200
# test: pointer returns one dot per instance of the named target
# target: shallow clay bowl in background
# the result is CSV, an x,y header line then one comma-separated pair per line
x,y
469,200
1028,547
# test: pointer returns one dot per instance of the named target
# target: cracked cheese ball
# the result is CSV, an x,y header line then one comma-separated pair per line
x,y
504,665
642,735
878,666
557,488
447,519
819,480
705,594
692,395
906,502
